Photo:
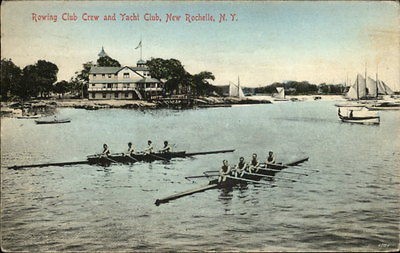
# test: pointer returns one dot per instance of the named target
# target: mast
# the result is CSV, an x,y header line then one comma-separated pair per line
x,y
358,94
366,79
238,87
376,84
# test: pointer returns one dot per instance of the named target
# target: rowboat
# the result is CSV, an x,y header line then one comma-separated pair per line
x,y
265,171
124,158
52,121
365,118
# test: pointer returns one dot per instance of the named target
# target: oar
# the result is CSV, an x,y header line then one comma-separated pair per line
x,y
159,157
246,180
186,193
16,167
200,176
262,175
283,171
210,152
134,159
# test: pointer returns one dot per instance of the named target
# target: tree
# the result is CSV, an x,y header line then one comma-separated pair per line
x,y
107,61
178,79
10,78
200,83
80,82
61,87
46,76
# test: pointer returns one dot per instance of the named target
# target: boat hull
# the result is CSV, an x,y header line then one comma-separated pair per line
x,y
123,158
39,122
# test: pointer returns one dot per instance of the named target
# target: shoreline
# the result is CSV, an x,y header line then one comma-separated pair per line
x,y
48,106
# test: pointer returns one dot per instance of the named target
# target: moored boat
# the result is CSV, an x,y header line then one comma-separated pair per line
x,y
364,117
52,121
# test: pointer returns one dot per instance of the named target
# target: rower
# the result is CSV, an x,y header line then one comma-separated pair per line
x,y
106,151
224,171
270,158
167,148
149,148
131,149
240,168
253,164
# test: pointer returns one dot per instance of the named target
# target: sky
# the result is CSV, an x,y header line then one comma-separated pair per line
x,y
265,42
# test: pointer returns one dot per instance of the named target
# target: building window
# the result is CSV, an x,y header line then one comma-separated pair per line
x,y
109,85
127,95
103,75
93,84
104,85
115,75
126,75
93,95
116,95
109,75
104,95
94,75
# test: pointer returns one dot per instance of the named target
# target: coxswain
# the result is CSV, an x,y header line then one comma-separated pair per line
x,y
149,148
224,171
240,168
254,165
106,151
270,158
167,148
131,149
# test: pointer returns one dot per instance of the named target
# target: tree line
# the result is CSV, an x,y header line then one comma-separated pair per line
x,y
39,79
302,88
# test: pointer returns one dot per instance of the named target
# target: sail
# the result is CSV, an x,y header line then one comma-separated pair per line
x,y
358,89
281,92
371,87
235,91
384,89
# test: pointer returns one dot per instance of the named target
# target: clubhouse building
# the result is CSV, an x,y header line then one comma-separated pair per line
x,y
125,82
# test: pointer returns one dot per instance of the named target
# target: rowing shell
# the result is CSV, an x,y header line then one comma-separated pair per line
x,y
123,158
268,171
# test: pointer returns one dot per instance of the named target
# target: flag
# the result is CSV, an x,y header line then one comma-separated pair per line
x,y
140,45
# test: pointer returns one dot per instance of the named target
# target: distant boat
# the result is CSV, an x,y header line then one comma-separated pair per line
x,y
359,117
280,96
384,106
236,90
29,117
52,121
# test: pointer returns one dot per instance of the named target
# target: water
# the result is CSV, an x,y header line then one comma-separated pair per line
x,y
351,203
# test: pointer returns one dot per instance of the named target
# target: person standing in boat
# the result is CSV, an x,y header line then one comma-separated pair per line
x,y
149,148
167,148
254,164
106,151
270,158
240,168
224,171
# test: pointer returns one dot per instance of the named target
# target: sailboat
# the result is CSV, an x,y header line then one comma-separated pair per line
x,y
235,90
280,96
367,88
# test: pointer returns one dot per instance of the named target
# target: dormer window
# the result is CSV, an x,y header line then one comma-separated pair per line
x,y
126,75
109,75
103,75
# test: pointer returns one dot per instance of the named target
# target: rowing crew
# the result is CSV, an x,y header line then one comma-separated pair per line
x,y
242,167
131,150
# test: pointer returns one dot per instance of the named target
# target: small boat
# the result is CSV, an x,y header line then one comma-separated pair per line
x,y
280,96
124,158
29,117
362,118
268,171
52,121
384,106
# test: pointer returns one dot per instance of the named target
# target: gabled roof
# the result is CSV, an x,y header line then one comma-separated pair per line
x,y
104,70
114,70
148,80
